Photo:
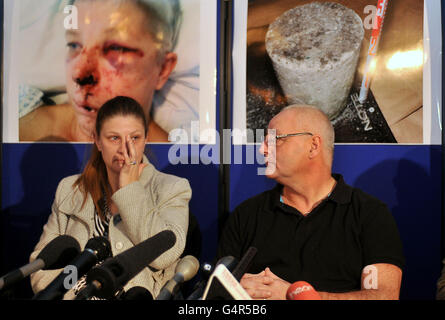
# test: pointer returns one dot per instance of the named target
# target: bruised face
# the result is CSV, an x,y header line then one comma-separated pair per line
x,y
112,53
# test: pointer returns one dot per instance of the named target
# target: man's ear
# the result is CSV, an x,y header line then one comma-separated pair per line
x,y
168,65
315,146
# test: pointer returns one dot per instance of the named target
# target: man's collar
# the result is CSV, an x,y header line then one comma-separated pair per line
x,y
341,194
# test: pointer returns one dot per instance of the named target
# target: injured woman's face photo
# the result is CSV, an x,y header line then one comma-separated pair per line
x,y
115,52
117,48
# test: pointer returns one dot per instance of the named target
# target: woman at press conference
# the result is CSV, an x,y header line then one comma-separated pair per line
x,y
121,196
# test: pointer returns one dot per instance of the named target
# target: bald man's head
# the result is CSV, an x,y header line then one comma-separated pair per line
x,y
311,119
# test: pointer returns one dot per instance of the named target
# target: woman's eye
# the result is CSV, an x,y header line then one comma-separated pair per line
x,y
114,138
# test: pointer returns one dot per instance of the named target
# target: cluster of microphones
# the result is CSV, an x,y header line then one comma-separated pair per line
x,y
107,279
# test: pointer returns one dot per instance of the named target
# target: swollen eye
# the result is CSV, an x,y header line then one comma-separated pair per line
x,y
114,48
118,48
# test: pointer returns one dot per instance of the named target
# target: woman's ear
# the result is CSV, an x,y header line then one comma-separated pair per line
x,y
97,142
168,65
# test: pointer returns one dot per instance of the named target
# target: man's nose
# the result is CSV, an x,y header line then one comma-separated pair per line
x,y
263,148
86,71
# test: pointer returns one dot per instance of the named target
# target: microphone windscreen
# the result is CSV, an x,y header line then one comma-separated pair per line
x,y
59,252
188,267
137,293
140,256
301,290
115,272
101,247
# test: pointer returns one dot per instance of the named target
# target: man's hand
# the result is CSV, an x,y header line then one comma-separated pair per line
x,y
265,285
278,286
256,285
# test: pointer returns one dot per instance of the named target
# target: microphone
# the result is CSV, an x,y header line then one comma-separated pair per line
x,y
185,270
245,263
229,262
105,280
137,293
56,254
206,270
226,285
222,285
96,249
301,290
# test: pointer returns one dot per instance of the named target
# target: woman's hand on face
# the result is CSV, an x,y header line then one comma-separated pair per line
x,y
133,167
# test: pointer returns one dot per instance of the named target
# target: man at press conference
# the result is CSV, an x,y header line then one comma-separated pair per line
x,y
312,226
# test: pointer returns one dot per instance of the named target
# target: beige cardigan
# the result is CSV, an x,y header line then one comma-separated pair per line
x,y
155,203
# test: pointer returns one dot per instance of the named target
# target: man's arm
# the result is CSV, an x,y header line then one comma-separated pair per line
x,y
265,286
441,284
386,286
382,282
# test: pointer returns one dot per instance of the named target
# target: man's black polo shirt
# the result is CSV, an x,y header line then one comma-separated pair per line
x,y
329,247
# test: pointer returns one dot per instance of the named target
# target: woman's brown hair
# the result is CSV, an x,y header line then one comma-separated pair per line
x,y
94,178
